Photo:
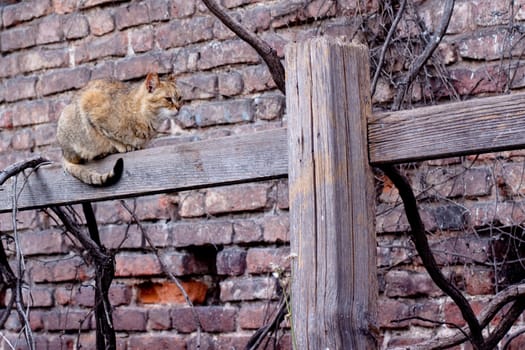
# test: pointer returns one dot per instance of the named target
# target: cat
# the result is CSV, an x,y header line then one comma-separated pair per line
x,y
108,116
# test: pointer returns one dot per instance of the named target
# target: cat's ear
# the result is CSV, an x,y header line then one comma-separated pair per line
x,y
152,82
171,78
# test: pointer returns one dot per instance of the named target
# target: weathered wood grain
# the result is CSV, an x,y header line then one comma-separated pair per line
x,y
477,126
334,285
226,160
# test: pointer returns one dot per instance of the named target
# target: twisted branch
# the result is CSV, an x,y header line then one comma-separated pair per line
x,y
268,53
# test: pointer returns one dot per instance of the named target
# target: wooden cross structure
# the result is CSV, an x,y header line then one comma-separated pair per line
x,y
327,151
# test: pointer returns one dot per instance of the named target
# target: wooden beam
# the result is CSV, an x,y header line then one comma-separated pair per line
x,y
332,197
477,126
226,160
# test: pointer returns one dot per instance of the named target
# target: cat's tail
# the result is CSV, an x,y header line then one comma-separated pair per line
x,y
91,177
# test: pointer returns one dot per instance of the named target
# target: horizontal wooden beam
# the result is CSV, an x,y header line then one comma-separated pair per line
x,y
481,125
228,160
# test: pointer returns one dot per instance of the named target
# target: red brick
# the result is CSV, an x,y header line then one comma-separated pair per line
x,y
403,283
49,30
45,134
138,66
510,179
158,10
234,111
178,33
269,107
256,78
198,86
59,270
103,70
453,315
482,214
391,219
142,40
289,13
231,261
100,22
5,140
276,228
111,212
37,297
115,44
465,249
159,319
183,319
76,27
182,8
156,342
24,219
401,313
255,316
131,15
64,6
479,281
454,182
56,107
236,341
230,84
20,88
265,260
153,207
491,12
236,198
238,289
477,81
129,319
393,310
191,204
487,46
42,242
462,19
169,292
78,296
18,340
221,32
62,80
17,38
217,318
28,113
9,65
212,319
187,234
136,264
67,319
247,231
256,19
119,294
228,52
38,59
189,263
24,11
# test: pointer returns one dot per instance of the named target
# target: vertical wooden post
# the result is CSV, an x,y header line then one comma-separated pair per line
x,y
334,283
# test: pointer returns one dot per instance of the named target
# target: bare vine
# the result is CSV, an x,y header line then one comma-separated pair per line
x,y
268,53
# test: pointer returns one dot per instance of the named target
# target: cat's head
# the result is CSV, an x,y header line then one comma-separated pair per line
x,y
162,96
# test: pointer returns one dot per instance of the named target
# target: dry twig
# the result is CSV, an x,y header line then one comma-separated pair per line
x,y
420,61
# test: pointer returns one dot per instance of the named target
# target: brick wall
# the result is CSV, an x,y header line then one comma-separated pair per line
x,y
223,242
